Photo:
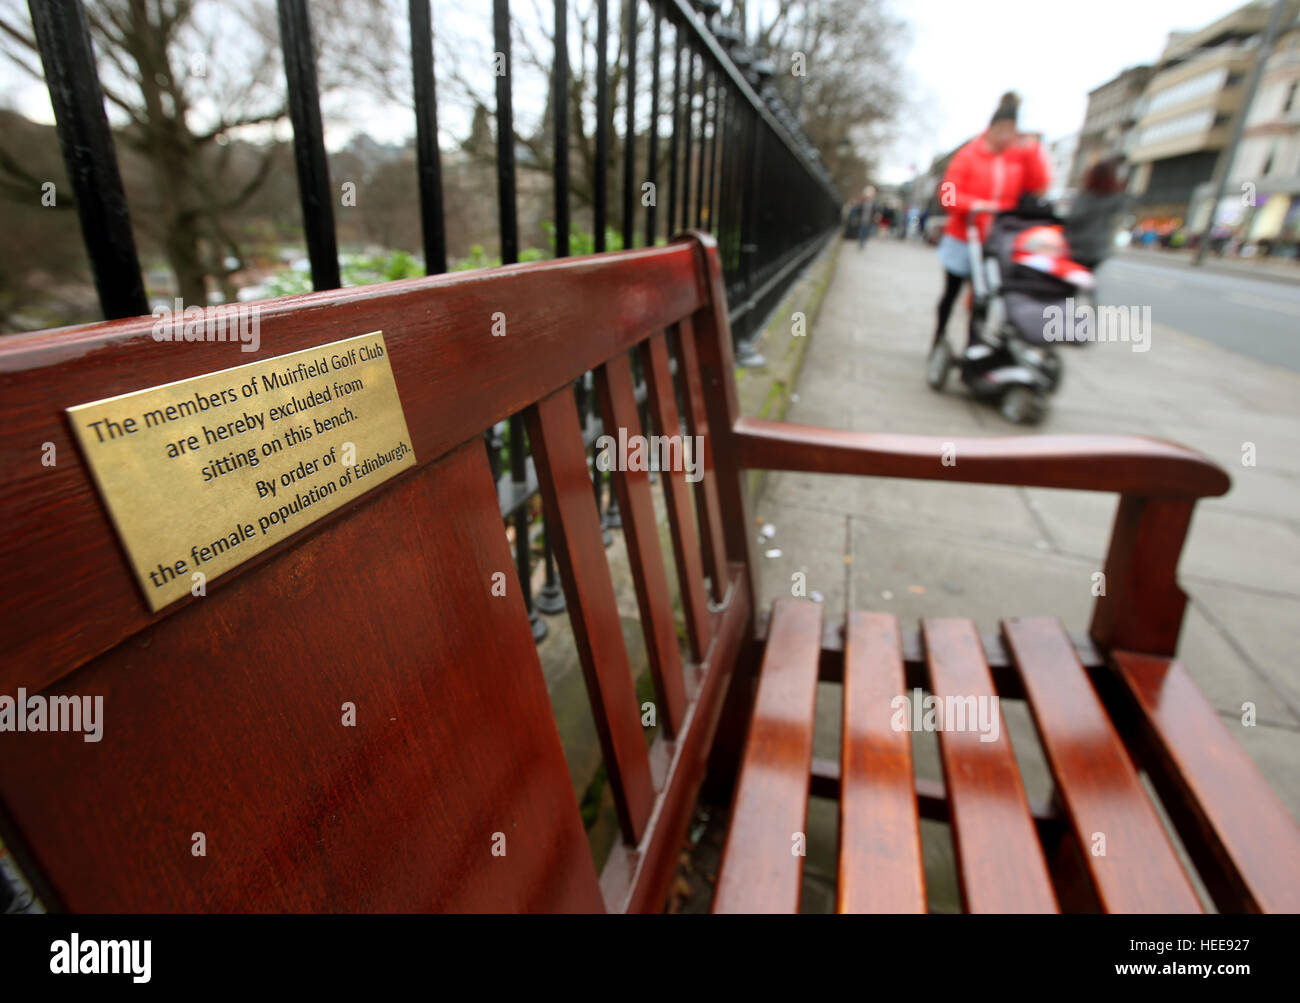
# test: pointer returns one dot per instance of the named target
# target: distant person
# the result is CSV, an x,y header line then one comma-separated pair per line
x,y
987,175
1090,227
865,222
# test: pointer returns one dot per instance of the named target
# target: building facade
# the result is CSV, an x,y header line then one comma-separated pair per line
x,y
1184,117
1108,123
1265,176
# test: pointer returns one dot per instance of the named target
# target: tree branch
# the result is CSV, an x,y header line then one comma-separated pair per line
x,y
21,185
224,126
259,177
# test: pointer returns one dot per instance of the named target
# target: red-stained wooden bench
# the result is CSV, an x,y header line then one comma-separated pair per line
x,y
222,711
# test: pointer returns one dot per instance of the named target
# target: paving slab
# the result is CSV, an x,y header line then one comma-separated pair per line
x,y
1248,622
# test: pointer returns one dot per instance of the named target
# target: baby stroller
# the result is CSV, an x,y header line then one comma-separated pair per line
x,y
1023,283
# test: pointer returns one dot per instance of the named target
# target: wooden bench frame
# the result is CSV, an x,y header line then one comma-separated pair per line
x,y
403,814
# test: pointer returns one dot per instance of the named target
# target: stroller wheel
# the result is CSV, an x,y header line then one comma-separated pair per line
x,y
938,364
1022,406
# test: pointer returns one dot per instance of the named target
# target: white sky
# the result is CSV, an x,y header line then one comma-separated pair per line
x,y
962,55
966,53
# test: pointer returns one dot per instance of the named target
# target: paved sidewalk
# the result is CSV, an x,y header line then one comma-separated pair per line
x,y
934,549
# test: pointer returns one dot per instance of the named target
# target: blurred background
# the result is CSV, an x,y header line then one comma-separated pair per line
x,y
883,92
197,103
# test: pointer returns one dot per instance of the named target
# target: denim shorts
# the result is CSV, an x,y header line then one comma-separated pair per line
x,y
954,255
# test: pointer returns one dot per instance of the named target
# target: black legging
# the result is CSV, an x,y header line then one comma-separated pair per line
x,y
951,287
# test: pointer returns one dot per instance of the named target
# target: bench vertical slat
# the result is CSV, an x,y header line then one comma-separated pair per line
x,y
706,488
681,520
632,488
880,867
1139,870
1000,860
1239,823
711,333
556,439
761,868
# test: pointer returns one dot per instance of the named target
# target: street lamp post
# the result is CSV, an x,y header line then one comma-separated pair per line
x,y
1223,169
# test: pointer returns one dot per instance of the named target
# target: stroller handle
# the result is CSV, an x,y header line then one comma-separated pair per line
x,y
975,248
972,228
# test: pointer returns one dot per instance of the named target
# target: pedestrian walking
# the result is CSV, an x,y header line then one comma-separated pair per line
x,y
865,221
989,174
1090,226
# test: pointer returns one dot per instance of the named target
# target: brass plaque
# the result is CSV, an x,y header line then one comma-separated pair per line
x,y
202,474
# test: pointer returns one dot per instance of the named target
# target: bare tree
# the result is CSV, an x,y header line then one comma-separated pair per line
x,y
837,63
184,81
838,66
532,54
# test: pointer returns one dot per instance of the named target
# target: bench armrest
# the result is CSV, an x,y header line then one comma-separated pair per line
x,y
1140,606
1124,464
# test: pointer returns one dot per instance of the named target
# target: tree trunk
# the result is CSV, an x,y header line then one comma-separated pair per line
x,y
181,246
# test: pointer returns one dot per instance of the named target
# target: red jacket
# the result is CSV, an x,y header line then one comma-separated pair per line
x,y
977,174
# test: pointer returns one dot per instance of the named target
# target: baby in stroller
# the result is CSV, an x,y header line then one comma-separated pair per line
x,y
1029,270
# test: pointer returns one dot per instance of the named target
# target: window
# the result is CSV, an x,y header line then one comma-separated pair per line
x,y
1290,97
1181,125
1198,86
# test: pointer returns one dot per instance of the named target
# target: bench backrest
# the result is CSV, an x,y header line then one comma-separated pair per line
x,y
223,714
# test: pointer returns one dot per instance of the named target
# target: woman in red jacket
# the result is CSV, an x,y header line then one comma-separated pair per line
x,y
987,175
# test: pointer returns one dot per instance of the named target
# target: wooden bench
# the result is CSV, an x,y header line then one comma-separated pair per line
x,y
222,711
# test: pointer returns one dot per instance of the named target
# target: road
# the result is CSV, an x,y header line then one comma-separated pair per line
x,y
1258,317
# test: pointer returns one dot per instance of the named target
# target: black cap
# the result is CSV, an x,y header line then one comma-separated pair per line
x,y
1008,108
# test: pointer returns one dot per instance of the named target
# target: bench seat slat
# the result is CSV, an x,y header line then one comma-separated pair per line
x,y
1253,837
1000,860
1139,870
706,488
681,520
632,488
880,867
556,439
760,870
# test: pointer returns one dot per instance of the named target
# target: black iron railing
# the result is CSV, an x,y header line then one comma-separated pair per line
x,y
738,166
